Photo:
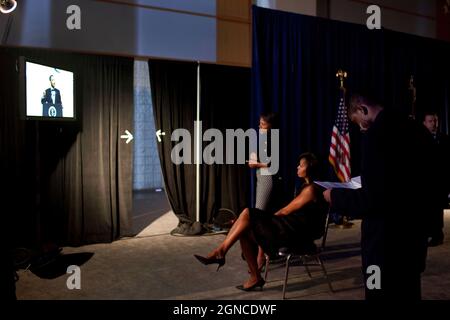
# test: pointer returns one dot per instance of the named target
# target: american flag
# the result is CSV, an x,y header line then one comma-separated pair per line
x,y
340,143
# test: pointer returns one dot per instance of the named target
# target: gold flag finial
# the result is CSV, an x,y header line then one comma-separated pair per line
x,y
413,90
342,75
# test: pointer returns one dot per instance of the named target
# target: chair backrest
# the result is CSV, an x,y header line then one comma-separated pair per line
x,y
322,230
322,224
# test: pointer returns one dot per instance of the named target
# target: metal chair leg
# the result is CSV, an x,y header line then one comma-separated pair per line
x,y
305,264
327,224
325,273
267,267
286,274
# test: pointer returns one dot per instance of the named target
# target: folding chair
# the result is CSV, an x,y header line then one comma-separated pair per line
x,y
304,254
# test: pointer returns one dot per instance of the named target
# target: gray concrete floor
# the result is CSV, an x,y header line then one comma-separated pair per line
x,y
148,206
156,265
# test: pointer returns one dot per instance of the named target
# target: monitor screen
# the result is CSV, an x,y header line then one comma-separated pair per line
x,y
49,92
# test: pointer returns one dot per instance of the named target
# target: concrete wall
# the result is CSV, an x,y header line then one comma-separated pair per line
x,y
216,31
122,27
213,31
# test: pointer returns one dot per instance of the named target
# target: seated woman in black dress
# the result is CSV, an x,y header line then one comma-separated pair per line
x,y
299,223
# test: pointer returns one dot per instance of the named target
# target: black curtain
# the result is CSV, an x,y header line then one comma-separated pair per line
x,y
174,96
69,182
225,104
296,57
98,169
12,159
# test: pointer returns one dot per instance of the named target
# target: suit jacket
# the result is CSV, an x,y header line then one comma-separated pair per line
x,y
441,168
394,195
47,99
48,105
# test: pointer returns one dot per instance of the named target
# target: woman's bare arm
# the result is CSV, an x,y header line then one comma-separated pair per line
x,y
256,165
307,195
253,162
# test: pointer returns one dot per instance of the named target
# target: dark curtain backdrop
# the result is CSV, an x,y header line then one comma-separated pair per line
x,y
12,181
174,96
98,167
69,183
296,57
225,104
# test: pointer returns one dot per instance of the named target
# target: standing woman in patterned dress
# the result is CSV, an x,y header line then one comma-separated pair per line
x,y
264,183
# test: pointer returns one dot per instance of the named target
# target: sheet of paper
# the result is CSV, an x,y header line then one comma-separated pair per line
x,y
354,183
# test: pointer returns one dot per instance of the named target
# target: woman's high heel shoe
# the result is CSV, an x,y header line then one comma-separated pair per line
x,y
211,260
257,286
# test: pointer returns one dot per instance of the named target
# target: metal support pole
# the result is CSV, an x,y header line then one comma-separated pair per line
x,y
198,149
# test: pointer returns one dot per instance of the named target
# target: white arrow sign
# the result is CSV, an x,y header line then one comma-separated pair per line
x,y
159,134
127,136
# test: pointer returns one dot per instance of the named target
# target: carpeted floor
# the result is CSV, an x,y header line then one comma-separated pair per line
x,y
155,265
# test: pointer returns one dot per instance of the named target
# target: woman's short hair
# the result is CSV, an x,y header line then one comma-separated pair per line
x,y
271,118
313,163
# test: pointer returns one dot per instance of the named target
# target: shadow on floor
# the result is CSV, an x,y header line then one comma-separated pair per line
x,y
345,246
148,205
299,281
327,256
57,266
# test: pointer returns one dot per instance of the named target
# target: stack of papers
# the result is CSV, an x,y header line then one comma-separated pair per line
x,y
354,183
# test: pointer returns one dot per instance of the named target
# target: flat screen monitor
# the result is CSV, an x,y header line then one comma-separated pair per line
x,y
49,92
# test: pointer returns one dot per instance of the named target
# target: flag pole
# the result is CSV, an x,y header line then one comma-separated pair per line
x,y
342,75
412,88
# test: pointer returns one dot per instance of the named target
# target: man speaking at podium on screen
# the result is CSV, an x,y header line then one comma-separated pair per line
x,y
51,101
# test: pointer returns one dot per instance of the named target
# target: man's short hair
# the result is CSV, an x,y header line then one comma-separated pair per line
x,y
358,99
50,78
428,113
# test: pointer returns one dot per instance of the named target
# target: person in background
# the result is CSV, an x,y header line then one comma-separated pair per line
x,y
51,100
441,169
392,202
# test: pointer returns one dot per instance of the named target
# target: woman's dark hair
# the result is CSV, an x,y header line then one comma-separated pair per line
x,y
271,118
312,161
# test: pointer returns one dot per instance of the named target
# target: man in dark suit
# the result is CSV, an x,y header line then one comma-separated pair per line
x,y
51,101
440,168
392,199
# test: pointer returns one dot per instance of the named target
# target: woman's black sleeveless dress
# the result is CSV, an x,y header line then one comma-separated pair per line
x,y
299,229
